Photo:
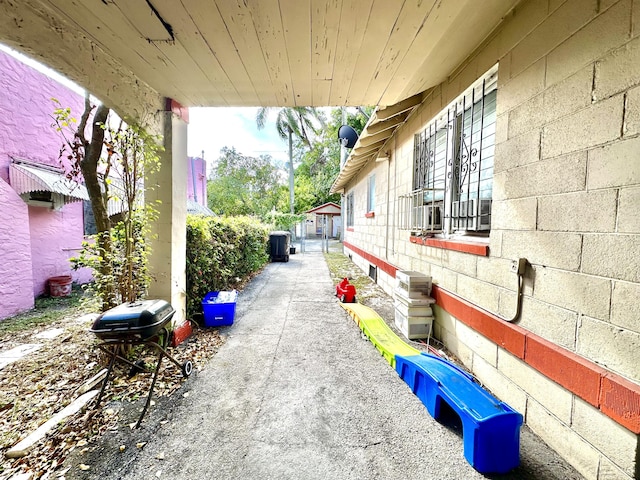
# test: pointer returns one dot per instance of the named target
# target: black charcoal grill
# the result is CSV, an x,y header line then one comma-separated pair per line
x,y
136,323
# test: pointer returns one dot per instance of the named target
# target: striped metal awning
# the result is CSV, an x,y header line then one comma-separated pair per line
x,y
194,208
380,127
27,178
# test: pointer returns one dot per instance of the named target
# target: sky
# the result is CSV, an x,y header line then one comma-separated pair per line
x,y
211,129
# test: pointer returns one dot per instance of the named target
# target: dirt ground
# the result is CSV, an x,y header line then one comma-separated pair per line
x,y
37,386
34,388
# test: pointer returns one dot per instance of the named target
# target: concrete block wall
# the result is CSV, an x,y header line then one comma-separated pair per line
x,y
566,194
366,227
566,102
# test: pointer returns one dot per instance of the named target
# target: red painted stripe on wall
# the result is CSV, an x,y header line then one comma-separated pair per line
x,y
508,336
620,400
378,262
465,247
173,106
573,372
615,396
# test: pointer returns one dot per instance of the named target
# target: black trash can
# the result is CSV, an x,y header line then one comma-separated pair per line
x,y
280,242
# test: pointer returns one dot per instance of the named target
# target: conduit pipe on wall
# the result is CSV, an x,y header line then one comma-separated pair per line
x,y
387,216
518,266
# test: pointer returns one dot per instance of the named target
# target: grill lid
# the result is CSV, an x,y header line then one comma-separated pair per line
x,y
144,318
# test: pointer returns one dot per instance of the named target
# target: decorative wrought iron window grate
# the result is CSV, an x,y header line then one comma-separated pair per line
x,y
453,165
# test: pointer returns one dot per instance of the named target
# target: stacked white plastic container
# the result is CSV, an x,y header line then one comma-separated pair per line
x,y
414,315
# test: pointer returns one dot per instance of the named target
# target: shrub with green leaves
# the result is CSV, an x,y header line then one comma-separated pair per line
x,y
221,253
283,221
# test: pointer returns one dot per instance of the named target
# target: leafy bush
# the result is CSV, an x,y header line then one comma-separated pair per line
x,y
221,252
283,221
127,277
113,165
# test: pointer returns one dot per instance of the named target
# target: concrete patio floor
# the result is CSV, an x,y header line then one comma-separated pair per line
x,y
297,393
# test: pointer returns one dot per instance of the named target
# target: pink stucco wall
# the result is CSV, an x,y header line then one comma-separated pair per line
x,y
56,236
198,166
16,281
34,242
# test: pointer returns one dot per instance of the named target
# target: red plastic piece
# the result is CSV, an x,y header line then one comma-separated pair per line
x,y
346,292
181,333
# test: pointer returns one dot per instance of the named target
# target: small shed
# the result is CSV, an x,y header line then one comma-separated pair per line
x,y
331,214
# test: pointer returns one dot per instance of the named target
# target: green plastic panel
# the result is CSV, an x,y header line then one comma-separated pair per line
x,y
379,333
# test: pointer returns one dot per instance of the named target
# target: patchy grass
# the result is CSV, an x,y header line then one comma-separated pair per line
x,y
48,310
341,266
43,382
370,294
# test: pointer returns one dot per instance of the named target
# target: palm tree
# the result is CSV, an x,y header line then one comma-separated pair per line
x,y
298,121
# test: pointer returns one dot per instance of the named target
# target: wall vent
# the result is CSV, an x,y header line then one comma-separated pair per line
x,y
373,273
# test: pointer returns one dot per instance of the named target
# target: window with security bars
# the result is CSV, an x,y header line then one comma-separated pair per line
x,y
453,165
349,206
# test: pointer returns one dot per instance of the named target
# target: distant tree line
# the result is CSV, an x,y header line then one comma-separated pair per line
x,y
243,185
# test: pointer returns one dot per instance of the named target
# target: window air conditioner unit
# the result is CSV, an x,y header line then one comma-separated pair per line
x,y
483,216
462,209
467,216
455,210
428,217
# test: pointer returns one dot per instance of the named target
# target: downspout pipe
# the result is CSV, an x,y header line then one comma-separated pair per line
x,y
518,267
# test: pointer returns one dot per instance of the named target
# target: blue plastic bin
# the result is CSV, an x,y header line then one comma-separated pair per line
x,y
219,308
490,428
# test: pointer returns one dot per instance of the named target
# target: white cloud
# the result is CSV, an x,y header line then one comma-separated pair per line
x,y
211,129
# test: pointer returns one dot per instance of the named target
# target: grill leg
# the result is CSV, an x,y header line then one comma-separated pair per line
x,y
153,383
114,355
165,353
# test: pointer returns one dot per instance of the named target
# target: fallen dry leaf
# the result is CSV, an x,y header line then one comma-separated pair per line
x,y
62,472
82,466
46,381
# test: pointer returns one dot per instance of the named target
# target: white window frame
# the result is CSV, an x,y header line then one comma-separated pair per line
x,y
371,193
349,202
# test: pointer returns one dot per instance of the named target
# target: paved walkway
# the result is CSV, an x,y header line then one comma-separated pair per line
x,y
297,393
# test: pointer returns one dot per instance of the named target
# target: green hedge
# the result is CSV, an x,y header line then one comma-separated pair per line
x,y
221,252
